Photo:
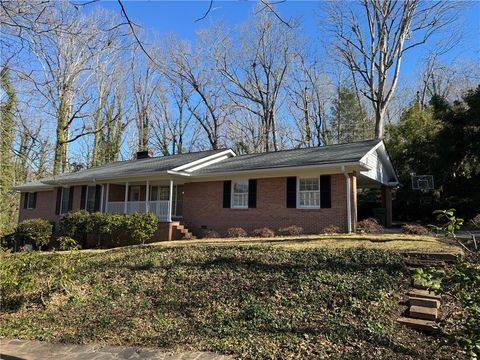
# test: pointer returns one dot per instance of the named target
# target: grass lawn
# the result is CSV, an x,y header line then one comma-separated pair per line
x,y
397,242
255,302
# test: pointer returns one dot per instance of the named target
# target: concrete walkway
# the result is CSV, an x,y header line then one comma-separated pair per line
x,y
12,349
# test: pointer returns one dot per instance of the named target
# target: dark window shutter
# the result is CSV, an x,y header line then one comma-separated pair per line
x,y
83,199
59,200
98,193
70,198
25,200
292,192
252,193
325,191
227,192
34,205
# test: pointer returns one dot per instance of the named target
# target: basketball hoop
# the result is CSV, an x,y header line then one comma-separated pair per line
x,y
424,183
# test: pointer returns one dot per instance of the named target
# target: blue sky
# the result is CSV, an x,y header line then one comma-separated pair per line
x,y
180,16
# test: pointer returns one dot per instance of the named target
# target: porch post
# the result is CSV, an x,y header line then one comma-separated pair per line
x,y
169,216
106,197
147,196
101,199
126,198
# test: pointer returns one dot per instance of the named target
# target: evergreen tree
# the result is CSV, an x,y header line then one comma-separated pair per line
x,y
350,121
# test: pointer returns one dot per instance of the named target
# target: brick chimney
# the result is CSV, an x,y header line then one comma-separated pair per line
x,y
144,154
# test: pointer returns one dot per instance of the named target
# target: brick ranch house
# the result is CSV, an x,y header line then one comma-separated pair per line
x,y
312,188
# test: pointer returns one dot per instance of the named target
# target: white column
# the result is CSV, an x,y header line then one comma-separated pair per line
x,y
126,199
106,197
147,196
101,199
169,216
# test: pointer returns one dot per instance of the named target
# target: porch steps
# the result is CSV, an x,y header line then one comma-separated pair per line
x,y
182,231
423,305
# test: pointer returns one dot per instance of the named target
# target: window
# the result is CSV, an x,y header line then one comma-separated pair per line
x,y
90,198
309,193
65,202
30,200
240,194
159,193
135,193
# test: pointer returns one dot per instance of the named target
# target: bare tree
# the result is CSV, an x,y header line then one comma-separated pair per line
x,y
145,83
257,71
373,38
310,91
65,73
207,100
174,131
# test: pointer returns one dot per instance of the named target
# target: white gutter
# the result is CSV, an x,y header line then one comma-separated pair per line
x,y
349,200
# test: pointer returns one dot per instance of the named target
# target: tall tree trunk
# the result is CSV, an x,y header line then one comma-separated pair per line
x,y
7,133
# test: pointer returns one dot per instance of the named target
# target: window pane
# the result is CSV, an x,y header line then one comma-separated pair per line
x,y
30,197
65,200
90,203
165,193
309,192
240,194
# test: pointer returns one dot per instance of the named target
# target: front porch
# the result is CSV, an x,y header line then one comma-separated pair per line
x,y
162,198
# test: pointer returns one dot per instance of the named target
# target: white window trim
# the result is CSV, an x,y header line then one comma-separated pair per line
x,y
27,195
86,196
231,194
61,200
298,194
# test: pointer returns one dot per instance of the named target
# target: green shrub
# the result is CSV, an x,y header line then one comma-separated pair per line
x,y
34,231
67,243
141,226
76,224
106,230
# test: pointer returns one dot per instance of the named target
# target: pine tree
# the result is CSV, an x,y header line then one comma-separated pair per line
x,y
350,121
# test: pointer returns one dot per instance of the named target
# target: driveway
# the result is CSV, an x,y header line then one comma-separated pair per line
x,y
13,349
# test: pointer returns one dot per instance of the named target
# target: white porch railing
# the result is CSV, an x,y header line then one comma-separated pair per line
x,y
159,208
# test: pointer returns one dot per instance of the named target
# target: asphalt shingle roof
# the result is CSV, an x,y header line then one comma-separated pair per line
x,y
331,154
135,167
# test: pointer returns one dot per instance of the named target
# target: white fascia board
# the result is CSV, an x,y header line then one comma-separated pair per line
x,y
283,171
205,161
33,188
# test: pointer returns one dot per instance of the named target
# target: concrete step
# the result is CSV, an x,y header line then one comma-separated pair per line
x,y
422,312
423,294
429,303
418,324
433,256
415,263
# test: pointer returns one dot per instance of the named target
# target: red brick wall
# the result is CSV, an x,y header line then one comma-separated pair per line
x,y
203,206
46,205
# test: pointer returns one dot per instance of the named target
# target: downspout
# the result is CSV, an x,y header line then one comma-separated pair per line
x,y
349,199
